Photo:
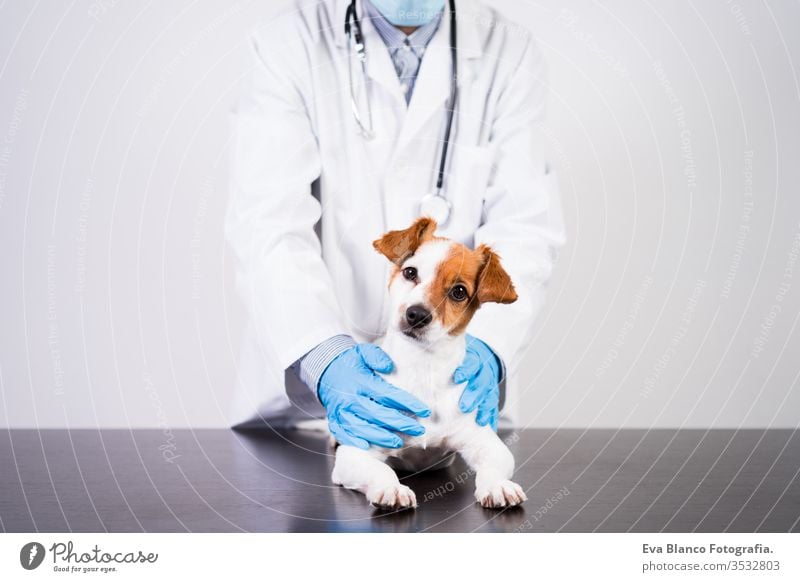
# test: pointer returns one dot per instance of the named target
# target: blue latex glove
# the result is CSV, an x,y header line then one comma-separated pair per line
x,y
362,407
481,371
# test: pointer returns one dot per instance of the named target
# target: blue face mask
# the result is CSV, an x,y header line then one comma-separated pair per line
x,y
409,12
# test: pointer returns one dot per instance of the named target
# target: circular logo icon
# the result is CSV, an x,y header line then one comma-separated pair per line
x,y
31,555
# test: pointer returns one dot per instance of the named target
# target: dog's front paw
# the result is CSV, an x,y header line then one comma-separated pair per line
x,y
393,497
501,494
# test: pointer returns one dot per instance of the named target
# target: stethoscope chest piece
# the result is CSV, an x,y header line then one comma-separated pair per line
x,y
435,206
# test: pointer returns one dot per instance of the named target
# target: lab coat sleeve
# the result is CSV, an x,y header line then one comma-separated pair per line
x,y
281,276
522,215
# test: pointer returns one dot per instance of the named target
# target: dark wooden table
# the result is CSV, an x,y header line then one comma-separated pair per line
x,y
221,480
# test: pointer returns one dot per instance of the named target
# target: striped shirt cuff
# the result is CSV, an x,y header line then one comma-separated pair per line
x,y
502,370
313,364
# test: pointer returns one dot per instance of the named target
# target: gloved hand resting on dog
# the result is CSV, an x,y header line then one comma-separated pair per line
x,y
481,371
363,408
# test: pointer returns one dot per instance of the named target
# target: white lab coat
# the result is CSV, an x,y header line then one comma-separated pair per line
x,y
309,194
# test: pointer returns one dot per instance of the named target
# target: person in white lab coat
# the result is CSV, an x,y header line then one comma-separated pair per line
x,y
311,191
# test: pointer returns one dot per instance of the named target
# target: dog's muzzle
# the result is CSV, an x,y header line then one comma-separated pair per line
x,y
417,317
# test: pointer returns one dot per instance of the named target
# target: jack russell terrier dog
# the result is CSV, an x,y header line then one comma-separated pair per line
x,y
435,288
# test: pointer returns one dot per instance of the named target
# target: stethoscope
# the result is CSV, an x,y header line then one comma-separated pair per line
x,y
435,204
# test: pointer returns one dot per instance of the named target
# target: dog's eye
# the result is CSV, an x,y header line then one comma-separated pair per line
x,y
410,273
458,293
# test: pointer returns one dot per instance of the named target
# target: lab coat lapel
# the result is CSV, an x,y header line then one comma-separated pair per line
x,y
432,89
380,69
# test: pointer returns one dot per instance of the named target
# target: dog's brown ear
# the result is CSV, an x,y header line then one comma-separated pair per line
x,y
398,245
494,284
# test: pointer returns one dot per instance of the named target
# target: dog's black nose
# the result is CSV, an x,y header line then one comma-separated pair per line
x,y
417,316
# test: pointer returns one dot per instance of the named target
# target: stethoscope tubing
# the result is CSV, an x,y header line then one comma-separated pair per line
x,y
355,36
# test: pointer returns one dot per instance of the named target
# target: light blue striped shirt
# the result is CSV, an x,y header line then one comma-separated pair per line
x,y
310,367
405,50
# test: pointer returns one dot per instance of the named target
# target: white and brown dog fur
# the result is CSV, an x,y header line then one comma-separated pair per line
x,y
436,287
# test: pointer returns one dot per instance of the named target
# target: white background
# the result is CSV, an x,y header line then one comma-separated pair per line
x,y
675,130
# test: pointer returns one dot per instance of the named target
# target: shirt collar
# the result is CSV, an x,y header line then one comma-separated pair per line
x,y
394,38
